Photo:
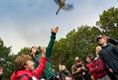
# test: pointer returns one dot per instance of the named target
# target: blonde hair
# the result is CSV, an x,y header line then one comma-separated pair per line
x,y
21,60
98,48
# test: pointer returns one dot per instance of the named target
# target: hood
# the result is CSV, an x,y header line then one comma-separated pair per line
x,y
19,73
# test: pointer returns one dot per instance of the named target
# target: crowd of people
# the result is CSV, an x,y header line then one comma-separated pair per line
x,y
37,65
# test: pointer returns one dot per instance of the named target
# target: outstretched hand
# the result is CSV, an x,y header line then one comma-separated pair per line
x,y
43,51
55,30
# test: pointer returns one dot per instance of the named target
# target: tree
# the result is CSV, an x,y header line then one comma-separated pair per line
x,y
6,60
108,22
25,50
80,42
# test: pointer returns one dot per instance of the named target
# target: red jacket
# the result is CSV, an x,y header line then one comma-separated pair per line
x,y
36,73
92,69
100,68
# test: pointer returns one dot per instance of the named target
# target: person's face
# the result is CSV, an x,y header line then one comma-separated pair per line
x,y
30,65
77,61
34,49
88,59
98,48
102,40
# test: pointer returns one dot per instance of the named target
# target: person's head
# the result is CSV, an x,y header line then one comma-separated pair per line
x,y
98,49
89,59
34,49
102,39
24,62
77,60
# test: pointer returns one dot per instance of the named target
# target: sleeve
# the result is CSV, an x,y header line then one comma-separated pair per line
x,y
36,60
50,45
113,41
74,71
39,70
102,58
100,66
66,72
91,68
115,50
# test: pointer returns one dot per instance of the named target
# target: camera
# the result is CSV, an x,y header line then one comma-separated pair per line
x,y
79,65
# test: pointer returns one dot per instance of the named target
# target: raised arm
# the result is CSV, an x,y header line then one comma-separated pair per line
x,y
51,42
42,62
113,41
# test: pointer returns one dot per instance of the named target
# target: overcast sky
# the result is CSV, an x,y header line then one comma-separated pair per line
x,y
28,22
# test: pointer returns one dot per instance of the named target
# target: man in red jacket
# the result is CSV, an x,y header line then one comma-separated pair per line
x,y
25,68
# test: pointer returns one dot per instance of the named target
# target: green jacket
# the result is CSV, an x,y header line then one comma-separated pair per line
x,y
48,70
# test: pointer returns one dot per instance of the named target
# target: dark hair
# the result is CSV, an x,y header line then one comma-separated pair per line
x,y
91,57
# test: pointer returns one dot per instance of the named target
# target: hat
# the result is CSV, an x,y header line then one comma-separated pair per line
x,y
98,37
77,58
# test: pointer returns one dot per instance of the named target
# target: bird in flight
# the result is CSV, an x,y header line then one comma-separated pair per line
x,y
63,5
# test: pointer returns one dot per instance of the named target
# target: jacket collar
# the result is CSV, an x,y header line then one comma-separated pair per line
x,y
21,72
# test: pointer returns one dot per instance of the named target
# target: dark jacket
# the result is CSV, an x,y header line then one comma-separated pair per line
x,y
30,74
80,75
109,54
48,69
113,41
63,74
100,68
76,74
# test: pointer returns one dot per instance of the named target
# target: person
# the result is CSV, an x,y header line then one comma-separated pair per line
x,y
109,54
111,40
79,71
64,73
101,73
1,72
91,67
35,52
25,68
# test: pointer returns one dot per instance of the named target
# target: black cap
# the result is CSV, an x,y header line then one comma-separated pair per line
x,y
98,37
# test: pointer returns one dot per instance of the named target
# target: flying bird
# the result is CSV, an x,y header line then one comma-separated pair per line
x,y
63,5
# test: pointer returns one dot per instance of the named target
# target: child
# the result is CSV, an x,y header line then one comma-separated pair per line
x,y
25,68
91,67
64,73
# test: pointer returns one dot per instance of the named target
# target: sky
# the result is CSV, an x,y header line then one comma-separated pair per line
x,y
26,23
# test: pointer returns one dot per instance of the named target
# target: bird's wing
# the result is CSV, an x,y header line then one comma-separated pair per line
x,y
57,2
68,7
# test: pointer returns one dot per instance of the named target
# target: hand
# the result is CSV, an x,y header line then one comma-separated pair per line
x,y
55,30
79,69
43,51
63,67
83,73
60,67
83,68
111,70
